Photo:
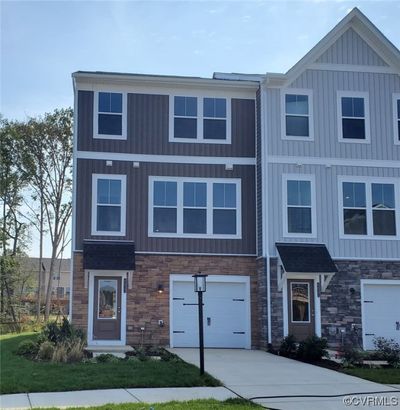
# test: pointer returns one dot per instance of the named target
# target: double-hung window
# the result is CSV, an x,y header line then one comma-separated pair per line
x,y
396,118
297,115
353,124
214,118
199,119
108,204
383,209
185,117
354,208
110,115
369,208
194,207
299,199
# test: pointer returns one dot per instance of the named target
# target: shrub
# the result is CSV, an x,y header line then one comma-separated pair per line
x,y
60,353
106,358
352,357
27,348
313,349
56,333
46,351
389,349
76,350
288,347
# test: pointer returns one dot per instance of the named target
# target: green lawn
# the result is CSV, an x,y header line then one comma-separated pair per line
x,y
379,375
20,375
231,404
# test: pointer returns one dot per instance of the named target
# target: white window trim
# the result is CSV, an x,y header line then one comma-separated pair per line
x,y
210,207
297,91
122,178
299,177
200,117
96,134
353,94
396,96
368,181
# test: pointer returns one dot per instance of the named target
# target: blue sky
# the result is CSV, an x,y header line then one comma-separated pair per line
x,y
43,42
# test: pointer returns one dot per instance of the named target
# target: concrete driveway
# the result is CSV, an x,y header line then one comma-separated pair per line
x,y
253,373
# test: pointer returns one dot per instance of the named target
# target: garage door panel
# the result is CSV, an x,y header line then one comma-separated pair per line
x,y
225,315
381,310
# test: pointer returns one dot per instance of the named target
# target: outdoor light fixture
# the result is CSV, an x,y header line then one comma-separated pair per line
x,y
200,287
160,288
200,282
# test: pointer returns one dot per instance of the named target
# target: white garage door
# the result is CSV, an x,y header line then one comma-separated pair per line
x,y
381,312
226,313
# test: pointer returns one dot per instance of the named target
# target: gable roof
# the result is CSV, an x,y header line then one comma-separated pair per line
x,y
363,27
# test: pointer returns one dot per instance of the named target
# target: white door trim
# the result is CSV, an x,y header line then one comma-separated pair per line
x,y
90,341
212,279
317,302
364,282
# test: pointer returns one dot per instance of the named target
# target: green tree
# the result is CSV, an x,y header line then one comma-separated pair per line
x,y
46,160
13,228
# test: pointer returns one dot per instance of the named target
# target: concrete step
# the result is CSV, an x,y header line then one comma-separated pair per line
x,y
117,351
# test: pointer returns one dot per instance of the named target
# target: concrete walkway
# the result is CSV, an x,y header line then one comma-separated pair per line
x,y
253,373
100,397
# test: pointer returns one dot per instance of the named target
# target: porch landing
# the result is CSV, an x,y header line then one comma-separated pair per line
x,y
118,351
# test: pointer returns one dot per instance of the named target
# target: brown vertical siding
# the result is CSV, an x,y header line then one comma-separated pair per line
x,y
137,205
148,119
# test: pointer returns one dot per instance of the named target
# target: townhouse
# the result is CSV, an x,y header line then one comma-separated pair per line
x,y
283,188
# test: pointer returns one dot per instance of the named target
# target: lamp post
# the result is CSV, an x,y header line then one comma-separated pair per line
x,y
200,287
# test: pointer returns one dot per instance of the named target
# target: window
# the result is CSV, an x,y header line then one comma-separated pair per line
x,y
299,198
185,117
354,208
224,212
297,115
383,209
300,298
108,204
165,207
353,117
110,115
192,207
214,122
396,118
200,119
369,208
60,292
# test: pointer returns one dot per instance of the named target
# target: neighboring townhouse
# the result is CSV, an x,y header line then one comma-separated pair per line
x,y
329,184
164,188
60,282
283,188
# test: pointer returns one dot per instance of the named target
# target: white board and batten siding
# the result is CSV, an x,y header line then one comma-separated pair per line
x,y
380,307
226,312
328,209
299,157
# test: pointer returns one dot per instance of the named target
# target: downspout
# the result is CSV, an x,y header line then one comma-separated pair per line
x,y
73,230
264,202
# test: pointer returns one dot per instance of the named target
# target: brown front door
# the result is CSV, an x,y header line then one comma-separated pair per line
x,y
301,308
107,308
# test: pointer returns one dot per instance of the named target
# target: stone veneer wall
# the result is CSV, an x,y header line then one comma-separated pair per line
x,y
145,306
340,307
262,305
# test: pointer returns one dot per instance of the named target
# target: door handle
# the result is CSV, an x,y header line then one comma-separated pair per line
x,y
208,321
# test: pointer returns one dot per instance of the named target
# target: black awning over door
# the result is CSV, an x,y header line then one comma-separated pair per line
x,y
109,255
